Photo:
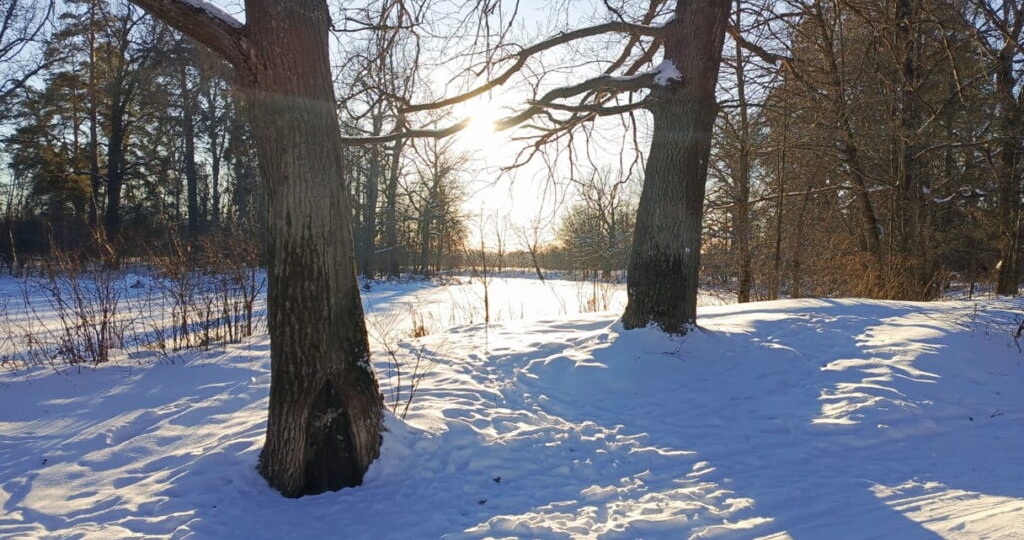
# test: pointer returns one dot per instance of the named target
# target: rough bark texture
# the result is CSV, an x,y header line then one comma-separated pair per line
x,y
665,259
325,419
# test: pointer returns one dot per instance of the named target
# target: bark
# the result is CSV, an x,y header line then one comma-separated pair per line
x,y
115,168
665,259
325,419
390,263
1010,165
741,212
188,128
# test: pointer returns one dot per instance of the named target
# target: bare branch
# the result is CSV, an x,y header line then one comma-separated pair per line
x,y
759,51
604,83
523,56
204,23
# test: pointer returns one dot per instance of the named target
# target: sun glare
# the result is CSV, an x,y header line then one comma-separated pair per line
x,y
480,132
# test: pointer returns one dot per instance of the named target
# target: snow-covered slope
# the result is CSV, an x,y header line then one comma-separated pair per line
x,y
801,419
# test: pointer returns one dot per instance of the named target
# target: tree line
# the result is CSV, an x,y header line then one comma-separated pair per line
x,y
125,133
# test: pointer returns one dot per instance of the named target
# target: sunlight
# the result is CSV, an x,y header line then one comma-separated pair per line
x,y
480,134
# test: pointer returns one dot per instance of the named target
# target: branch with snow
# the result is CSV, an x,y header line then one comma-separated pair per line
x,y
205,23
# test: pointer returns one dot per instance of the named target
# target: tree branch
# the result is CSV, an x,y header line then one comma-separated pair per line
x,y
759,51
204,23
524,55
603,83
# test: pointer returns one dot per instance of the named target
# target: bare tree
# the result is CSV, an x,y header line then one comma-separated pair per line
x,y
21,37
680,94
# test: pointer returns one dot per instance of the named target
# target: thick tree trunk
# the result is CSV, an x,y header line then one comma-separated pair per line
x,y
325,419
326,412
665,261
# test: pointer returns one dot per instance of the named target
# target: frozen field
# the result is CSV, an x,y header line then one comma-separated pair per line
x,y
795,419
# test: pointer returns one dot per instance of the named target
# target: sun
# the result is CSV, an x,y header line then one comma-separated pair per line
x,y
481,132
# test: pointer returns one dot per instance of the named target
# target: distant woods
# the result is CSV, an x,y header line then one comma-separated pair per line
x,y
861,148
122,139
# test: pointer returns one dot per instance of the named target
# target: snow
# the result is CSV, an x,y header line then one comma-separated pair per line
x,y
792,419
215,11
666,73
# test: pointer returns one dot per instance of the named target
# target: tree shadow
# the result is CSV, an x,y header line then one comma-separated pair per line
x,y
843,435
753,426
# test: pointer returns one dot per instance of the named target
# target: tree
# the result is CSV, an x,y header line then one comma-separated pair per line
x,y
596,231
665,258
1001,38
325,418
24,28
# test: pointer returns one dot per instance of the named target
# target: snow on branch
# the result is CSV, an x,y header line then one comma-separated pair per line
x,y
215,11
203,22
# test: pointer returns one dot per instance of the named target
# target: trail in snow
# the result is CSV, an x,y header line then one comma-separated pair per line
x,y
803,419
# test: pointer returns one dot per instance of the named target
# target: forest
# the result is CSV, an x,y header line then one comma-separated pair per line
x,y
297,183
879,136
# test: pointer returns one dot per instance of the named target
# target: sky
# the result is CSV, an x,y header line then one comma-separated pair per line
x,y
527,194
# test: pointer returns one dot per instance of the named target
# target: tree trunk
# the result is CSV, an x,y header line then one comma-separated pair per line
x,y
368,227
391,264
1010,161
870,236
741,211
115,169
665,261
188,128
325,420
326,412
95,179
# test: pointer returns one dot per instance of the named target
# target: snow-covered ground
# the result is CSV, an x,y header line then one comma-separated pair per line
x,y
795,419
